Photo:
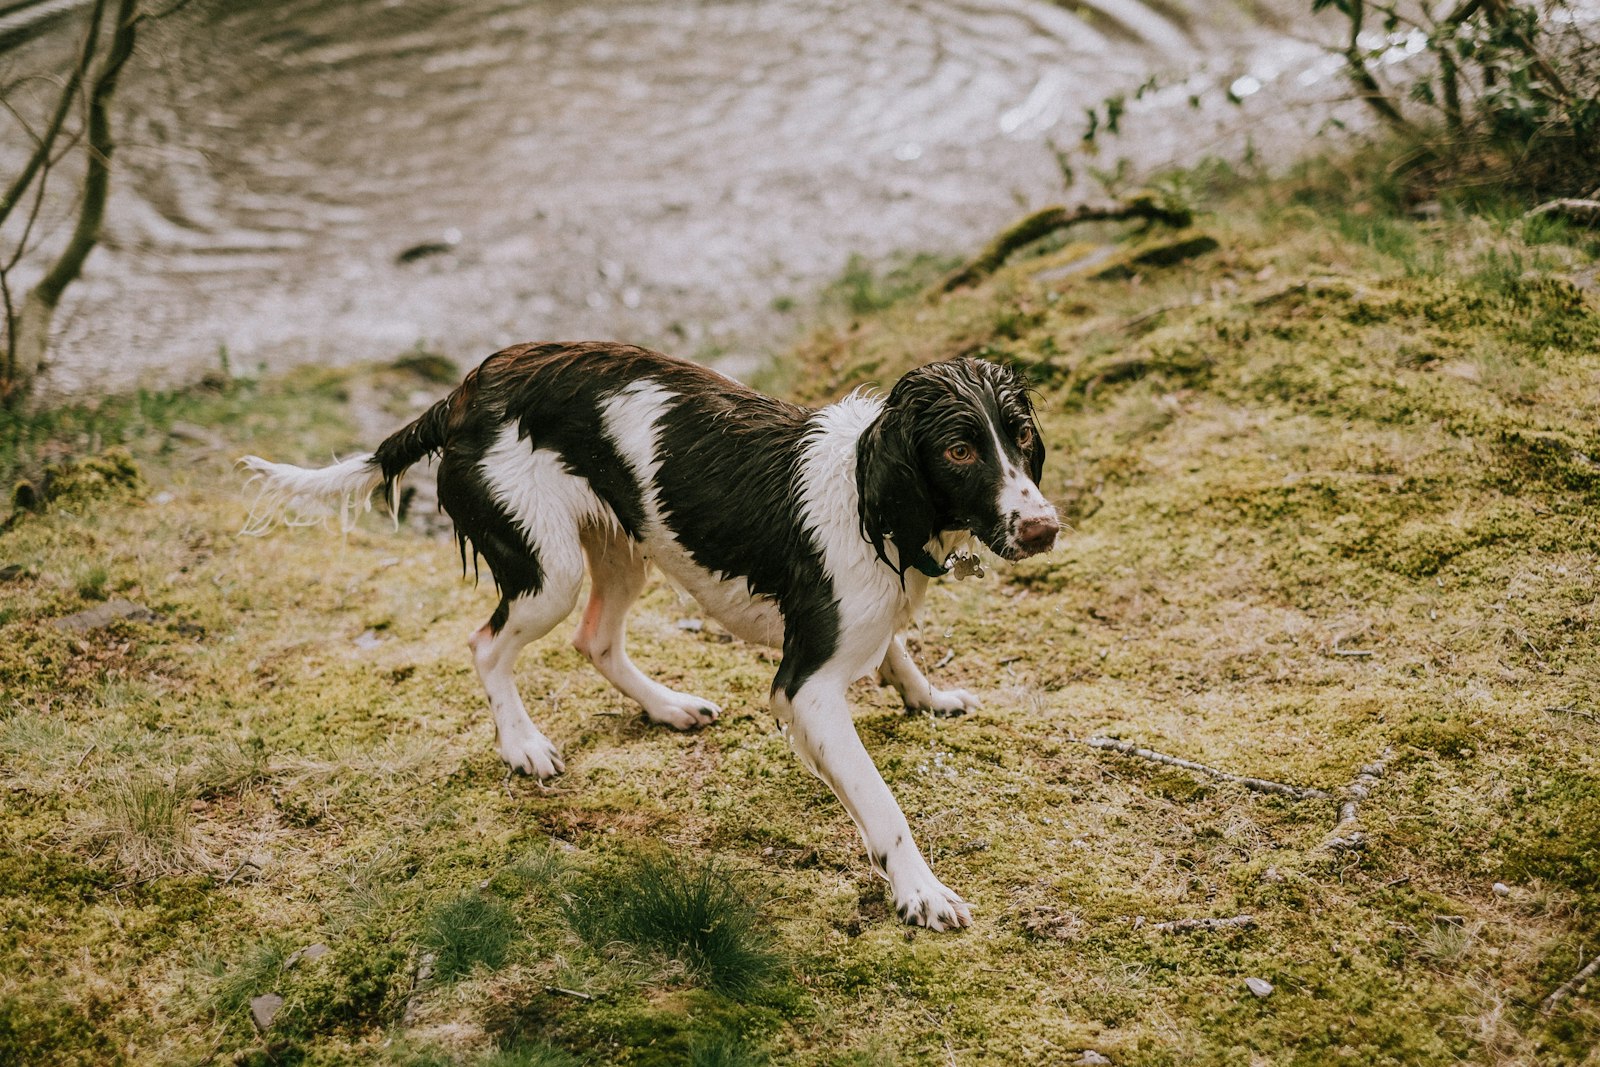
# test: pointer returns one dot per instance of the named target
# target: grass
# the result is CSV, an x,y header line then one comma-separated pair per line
x,y
468,931
697,915
1331,490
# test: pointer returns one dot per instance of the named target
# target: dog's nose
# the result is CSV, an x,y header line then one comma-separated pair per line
x,y
1037,535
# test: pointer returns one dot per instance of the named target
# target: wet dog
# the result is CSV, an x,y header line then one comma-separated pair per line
x,y
814,531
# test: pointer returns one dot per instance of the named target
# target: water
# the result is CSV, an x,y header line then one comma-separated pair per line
x,y
654,171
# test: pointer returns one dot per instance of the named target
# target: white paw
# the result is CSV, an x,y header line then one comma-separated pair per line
x,y
531,754
926,901
682,711
946,702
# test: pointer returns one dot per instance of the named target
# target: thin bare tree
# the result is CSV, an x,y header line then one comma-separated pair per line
x,y
88,89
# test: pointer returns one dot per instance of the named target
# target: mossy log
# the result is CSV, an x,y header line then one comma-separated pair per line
x,y
1048,220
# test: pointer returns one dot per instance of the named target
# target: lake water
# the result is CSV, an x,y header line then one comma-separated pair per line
x,y
634,169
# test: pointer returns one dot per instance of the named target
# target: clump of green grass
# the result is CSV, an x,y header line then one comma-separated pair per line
x,y
698,914
466,931
92,585
533,1054
143,823
726,1048
862,289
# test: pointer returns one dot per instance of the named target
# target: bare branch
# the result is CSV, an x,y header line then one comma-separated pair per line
x,y
1347,834
41,154
96,183
1180,926
1259,785
1570,986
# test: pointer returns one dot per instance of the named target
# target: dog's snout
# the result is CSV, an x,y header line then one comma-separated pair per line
x,y
1037,534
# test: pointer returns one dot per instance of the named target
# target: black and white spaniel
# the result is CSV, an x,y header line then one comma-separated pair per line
x,y
812,531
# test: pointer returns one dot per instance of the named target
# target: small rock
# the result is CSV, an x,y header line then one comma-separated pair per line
x,y
368,639
102,615
1271,874
1501,889
1259,986
310,954
977,844
188,431
163,497
1090,1058
264,1009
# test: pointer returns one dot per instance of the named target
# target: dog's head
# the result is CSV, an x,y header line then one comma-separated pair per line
x,y
956,447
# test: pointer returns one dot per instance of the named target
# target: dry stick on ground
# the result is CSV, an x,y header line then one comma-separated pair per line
x,y
1178,926
1581,211
1347,833
1260,785
1048,220
1570,986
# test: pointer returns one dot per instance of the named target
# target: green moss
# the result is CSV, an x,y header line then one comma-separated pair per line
x,y
1330,494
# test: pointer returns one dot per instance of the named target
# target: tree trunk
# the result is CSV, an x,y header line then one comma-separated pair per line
x,y
31,336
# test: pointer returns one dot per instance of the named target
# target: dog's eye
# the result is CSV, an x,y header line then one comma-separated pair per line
x,y
1025,437
960,454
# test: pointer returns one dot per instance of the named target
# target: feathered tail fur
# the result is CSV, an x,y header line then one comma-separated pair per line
x,y
305,496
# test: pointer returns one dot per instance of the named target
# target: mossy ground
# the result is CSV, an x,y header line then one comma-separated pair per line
x,y
1341,432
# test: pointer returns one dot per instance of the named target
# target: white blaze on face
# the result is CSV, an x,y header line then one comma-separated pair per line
x,y
1018,499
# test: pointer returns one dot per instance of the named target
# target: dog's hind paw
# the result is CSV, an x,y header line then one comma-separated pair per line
x,y
534,756
683,712
934,905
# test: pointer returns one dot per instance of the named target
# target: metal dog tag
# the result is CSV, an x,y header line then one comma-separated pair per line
x,y
965,565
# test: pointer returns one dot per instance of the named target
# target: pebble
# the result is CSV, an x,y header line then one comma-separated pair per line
x,y
104,615
311,953
264,1009
1090,1058
1259,986
1501,889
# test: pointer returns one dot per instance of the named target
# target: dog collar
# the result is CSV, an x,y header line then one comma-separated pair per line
x,y
928,565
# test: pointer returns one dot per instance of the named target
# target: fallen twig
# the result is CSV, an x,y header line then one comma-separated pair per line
x,y
568,992
238,871
86,752
1583,212
1178,926
1347,834
1570,986
1259,785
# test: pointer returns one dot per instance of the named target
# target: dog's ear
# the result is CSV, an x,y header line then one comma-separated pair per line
x,y
895,502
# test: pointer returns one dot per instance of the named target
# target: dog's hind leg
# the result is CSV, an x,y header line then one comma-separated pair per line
x,y
617,574
901,671
494,652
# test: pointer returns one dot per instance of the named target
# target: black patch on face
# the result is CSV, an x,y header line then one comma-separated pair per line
x,y
910,489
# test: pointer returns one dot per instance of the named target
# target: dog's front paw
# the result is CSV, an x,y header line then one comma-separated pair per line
x,y
929,902
532,754
946,702
683,712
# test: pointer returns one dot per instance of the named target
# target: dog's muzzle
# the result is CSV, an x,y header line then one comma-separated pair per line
x,y
1036,535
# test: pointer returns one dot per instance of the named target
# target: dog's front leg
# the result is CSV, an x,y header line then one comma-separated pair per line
x,y
901,671
817,722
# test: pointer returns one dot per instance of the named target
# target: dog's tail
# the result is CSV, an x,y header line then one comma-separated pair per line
x,y
302,496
